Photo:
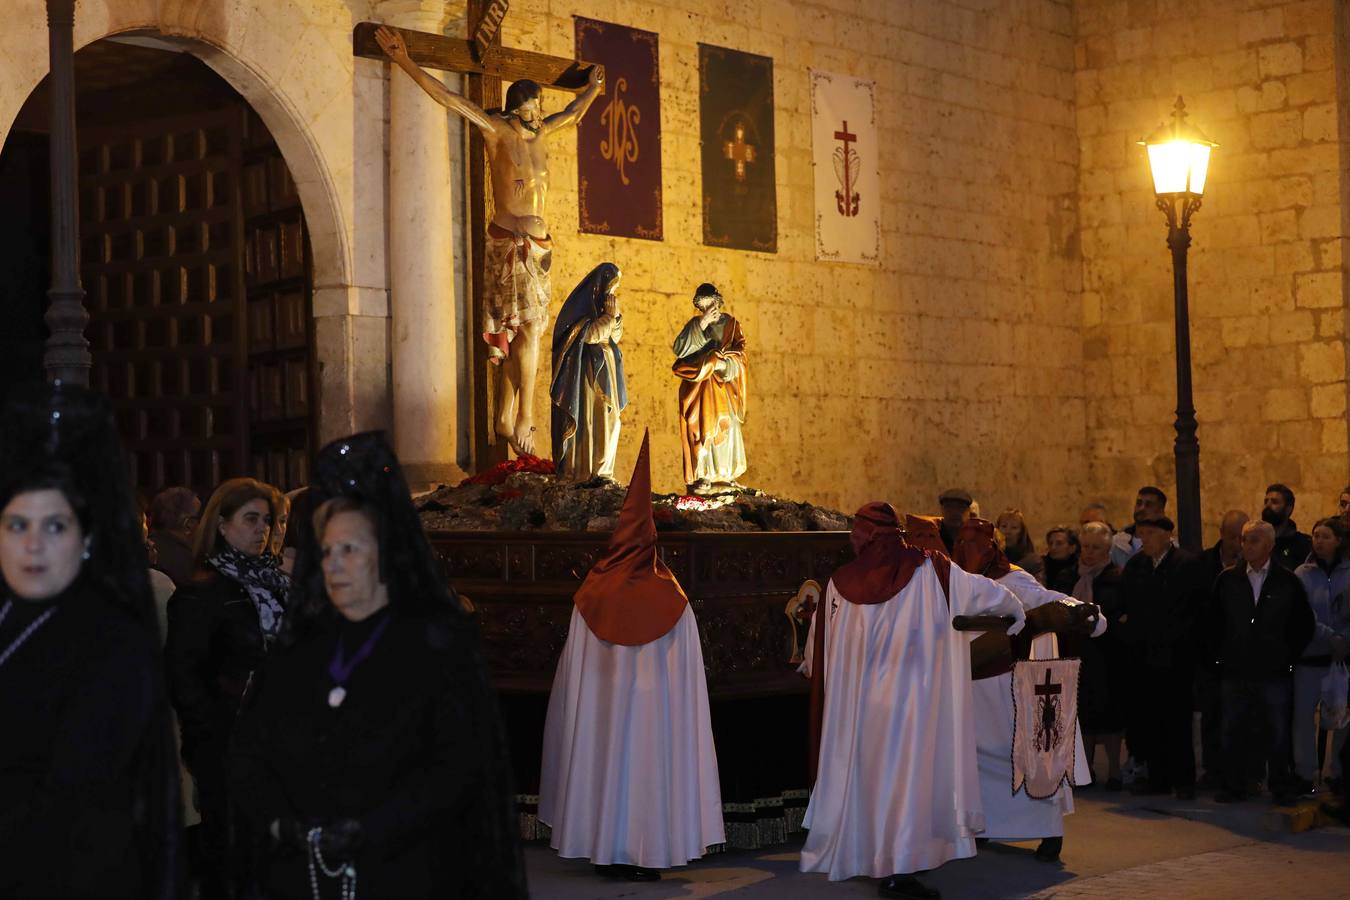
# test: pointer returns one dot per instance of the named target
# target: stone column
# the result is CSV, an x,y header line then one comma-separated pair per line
x,y
424,341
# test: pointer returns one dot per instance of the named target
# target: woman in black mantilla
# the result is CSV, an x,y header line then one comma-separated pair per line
x,y
369,750
88,773
221,624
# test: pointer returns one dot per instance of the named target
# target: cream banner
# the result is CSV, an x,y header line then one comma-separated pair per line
x,y
844,152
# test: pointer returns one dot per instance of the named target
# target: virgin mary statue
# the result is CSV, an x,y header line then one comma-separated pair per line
x,y
588,389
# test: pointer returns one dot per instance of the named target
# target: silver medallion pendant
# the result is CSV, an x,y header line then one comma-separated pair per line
x,y
336,696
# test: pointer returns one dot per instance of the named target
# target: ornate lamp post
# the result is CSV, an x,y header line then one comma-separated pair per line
x,y
67,353
1178,156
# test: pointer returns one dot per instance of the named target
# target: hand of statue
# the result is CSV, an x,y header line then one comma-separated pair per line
x,y
392,43
596,77
710,318
611,305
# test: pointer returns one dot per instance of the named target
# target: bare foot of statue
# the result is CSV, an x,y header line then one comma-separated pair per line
x,y
522,441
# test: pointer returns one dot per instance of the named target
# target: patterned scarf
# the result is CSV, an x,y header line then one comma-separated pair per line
x,y
264,581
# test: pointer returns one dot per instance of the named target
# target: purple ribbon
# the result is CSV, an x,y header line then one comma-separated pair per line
x,y
340,668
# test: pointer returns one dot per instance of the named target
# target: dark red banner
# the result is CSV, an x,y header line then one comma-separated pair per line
x,y
619,140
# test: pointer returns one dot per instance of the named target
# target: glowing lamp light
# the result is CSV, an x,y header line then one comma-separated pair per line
x,y
1178,157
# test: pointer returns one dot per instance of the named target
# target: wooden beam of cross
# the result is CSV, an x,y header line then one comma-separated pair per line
x,y
435,51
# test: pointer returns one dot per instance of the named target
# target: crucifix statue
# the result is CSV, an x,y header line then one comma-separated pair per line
x,y
513,282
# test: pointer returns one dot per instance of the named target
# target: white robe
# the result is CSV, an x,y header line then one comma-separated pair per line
x,y
1010,816
629,772
896,789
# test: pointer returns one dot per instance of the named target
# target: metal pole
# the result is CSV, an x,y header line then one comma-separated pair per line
x,y
1187,445
67,354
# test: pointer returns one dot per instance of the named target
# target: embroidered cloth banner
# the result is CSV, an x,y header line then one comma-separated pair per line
x,y
844,151
1045,725
619,140
740,202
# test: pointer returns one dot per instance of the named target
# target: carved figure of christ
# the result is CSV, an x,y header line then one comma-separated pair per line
x,y
516,286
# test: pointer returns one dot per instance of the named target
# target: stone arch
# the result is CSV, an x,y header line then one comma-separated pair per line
x,y
221,40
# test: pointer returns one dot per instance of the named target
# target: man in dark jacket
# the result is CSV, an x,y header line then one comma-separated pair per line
x,y
1291,545
1261,621
1161,592
1227,551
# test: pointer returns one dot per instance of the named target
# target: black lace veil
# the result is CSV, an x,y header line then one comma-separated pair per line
x,y
364,467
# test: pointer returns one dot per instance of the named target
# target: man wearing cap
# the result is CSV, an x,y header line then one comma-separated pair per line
x,y
955,504
1162,593
629,778
896,787
1009,816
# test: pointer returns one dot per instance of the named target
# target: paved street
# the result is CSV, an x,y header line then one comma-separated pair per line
x,y
1161,849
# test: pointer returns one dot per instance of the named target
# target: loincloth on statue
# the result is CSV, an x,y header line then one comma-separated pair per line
x,y
516,286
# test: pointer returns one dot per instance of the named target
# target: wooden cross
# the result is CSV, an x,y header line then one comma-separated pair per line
x,y
739,152
486,69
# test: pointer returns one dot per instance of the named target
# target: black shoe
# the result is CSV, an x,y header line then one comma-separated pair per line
x,y
1186,794
1284,798
1049,848
628,873
906,886
1113,785
1144,789
1227,796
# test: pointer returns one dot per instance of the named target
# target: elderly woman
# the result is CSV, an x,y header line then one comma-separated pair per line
x,y
370,752
87,772
220,626
1326,578
1104,678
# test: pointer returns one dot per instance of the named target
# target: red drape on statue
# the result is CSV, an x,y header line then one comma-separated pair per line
x,y
707,402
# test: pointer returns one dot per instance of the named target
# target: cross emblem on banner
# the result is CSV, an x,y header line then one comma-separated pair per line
x,y
846,170
1047,732
739,152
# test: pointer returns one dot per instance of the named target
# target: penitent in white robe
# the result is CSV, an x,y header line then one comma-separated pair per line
x,y
897,790
629,772
1010,816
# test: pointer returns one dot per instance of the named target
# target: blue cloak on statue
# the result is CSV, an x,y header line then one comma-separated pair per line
x,y
583,366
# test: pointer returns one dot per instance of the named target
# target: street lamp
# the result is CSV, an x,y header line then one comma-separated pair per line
x,y
1178,156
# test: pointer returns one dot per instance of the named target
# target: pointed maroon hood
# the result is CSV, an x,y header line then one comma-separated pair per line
x,y
630,597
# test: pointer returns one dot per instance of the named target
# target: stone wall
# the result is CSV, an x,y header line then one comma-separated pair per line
x,y
1267,281
957,361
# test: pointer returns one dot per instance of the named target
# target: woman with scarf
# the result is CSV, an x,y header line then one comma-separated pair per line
x,y
369,756
1103,681
588,388
221,625
88,773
